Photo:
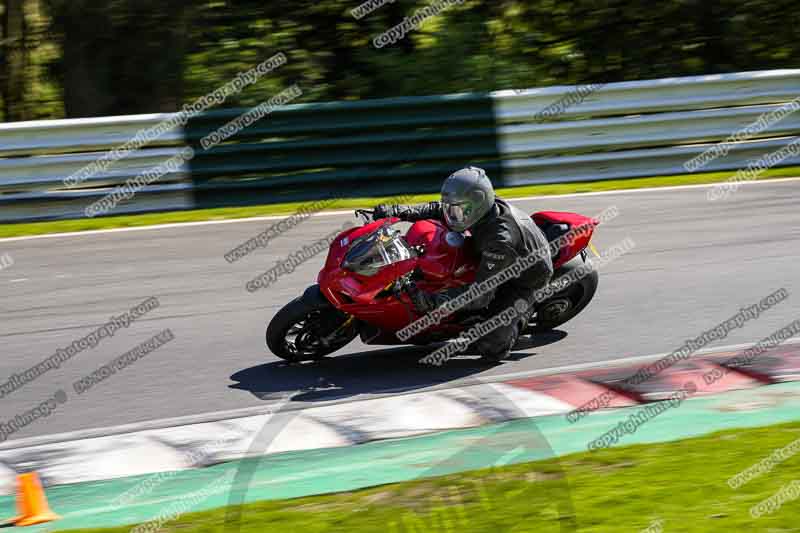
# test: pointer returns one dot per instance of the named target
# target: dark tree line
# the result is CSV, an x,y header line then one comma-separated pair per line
x,y
79,58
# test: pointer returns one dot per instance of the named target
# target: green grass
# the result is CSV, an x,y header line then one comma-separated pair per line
x,y
682,483
62,226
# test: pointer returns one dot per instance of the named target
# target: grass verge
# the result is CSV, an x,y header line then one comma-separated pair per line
x,y
682,484
126,221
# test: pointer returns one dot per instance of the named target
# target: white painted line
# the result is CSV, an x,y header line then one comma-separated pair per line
x,y
18,280
216,416
8,480
350,211
651,189
163,226
318,427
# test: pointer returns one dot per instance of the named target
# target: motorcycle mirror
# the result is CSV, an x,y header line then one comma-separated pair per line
x,y
364,214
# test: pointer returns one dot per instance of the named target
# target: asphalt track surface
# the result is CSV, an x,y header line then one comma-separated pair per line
x,y
694,265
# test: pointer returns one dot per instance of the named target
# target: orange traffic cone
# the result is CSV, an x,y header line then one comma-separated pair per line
x,y
32,502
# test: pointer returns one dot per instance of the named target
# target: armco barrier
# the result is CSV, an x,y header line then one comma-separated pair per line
x,y
301,151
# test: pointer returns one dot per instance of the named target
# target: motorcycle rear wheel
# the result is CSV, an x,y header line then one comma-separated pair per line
x,y
568,303
308,328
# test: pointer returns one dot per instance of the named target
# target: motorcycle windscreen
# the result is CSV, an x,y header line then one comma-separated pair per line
x,y
375,251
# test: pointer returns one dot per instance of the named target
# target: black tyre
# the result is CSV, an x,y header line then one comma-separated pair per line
x,y
568,302
308,328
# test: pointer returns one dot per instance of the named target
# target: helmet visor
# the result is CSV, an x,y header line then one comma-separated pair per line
x,y
457,216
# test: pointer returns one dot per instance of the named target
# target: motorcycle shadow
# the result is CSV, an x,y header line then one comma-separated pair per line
x,y
390,370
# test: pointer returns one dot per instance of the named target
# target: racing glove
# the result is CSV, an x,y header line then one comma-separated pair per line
x,y
410,213
384,211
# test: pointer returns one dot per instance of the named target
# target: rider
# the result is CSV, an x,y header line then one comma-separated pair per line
x,y
501,233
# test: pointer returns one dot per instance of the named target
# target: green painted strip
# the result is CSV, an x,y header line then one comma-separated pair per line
x,y
305,473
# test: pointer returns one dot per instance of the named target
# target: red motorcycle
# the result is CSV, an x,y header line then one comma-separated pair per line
x,y
359,291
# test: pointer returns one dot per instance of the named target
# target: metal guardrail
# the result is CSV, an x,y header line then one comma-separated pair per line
x,y
48,137
634,163
621,130
661,95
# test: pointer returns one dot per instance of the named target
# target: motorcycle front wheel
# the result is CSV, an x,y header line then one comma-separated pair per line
x,y
308,328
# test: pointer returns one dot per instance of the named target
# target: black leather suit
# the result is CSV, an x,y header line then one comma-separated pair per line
x,y
500,237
